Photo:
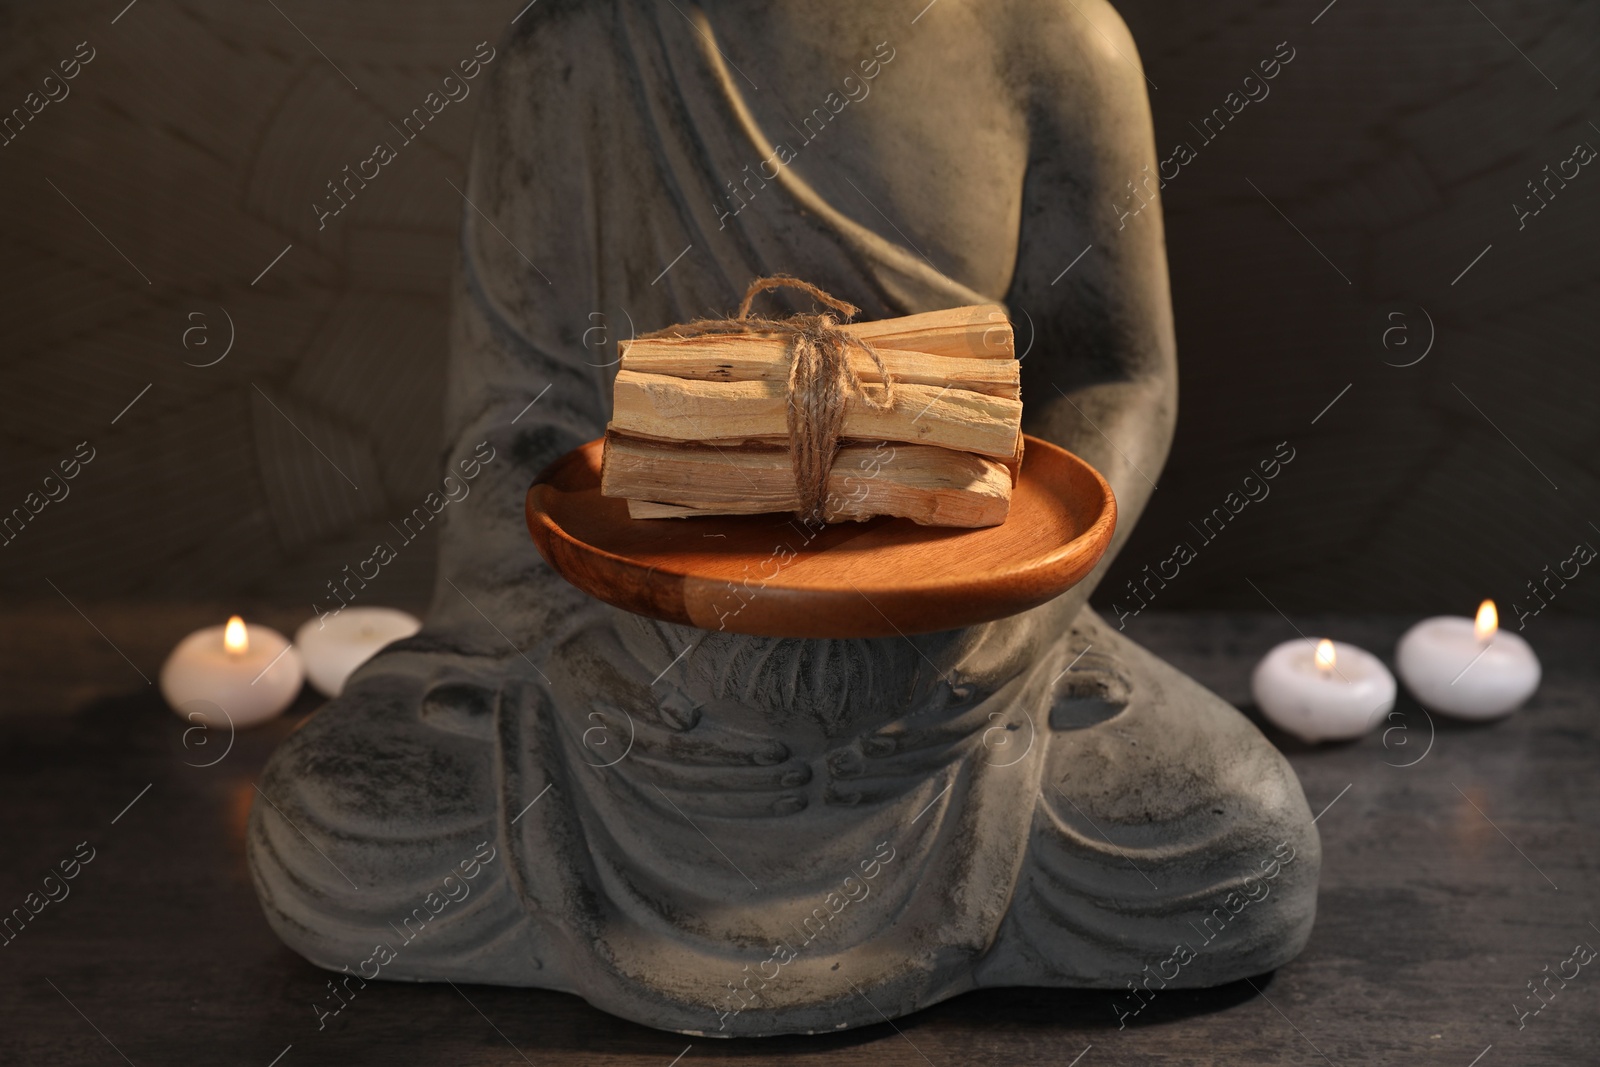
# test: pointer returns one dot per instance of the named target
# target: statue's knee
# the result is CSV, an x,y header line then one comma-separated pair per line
x,y
396,768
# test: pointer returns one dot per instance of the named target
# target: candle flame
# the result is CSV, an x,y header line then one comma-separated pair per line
x,y
1487,624
235,638
1325,655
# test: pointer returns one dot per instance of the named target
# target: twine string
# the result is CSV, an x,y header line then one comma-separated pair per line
x,y
821,380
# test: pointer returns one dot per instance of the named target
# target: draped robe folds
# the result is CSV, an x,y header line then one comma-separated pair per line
x,y
708,832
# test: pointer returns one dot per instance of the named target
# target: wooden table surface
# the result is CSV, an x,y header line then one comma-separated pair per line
x,y
1447,886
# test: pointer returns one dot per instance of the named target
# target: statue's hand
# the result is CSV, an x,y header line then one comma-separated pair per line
x,y
675,760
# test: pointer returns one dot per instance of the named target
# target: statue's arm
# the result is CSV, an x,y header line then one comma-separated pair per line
x,y
522,381
1101,376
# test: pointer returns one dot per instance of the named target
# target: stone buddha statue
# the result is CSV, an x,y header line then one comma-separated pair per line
x,y
731,835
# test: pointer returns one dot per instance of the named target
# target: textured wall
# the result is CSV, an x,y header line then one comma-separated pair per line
x,y
1396,142
1386,155
196,142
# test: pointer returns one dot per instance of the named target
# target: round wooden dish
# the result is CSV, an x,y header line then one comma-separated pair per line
x,y
768,575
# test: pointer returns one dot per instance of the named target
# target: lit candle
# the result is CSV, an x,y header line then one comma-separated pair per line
x,y
250,672
333,646
1329,691
1467,667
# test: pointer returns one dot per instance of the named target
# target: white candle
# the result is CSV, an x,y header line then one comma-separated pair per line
x,y
333,646
1467,667
1329,691
250,672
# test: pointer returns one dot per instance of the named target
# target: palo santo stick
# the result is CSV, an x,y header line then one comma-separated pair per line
x,y
781,444
740,357
980,331
930,486
678,409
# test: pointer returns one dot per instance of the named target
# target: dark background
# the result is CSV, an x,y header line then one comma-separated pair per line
x,y
1396,141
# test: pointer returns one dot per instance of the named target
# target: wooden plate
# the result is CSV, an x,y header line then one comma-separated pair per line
x,y
770,576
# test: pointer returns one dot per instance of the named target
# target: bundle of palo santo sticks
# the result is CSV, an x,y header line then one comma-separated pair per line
x,y
917,417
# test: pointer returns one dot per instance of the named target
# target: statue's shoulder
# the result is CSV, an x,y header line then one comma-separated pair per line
x,y
576,28
1074,66
1059,36
1064,19
549,14
558,51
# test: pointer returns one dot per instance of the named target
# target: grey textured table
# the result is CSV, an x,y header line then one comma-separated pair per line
x,y
1459,863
